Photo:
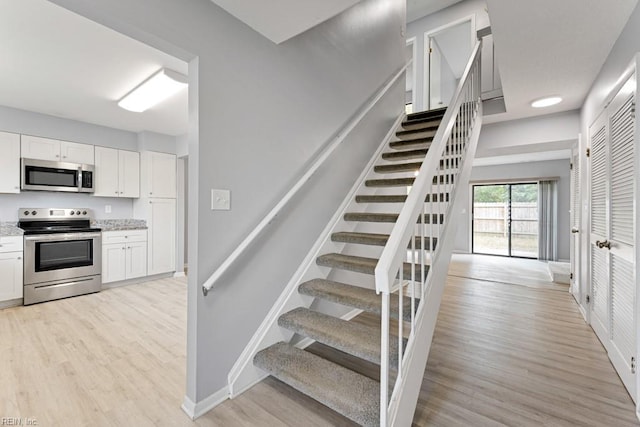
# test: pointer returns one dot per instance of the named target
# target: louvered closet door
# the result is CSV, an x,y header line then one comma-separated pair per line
x,y
599,258
622,238
612,232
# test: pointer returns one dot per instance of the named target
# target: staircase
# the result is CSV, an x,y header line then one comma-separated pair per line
x,y
351,394
386,253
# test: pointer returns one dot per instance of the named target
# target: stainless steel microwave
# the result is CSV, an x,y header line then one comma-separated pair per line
x,y
46,175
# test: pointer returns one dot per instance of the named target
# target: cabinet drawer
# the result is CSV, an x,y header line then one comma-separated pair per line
x,y
10,244
124,236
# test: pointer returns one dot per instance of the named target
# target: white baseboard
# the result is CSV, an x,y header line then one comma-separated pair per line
x,y
196,410
11,303
135,281
179,274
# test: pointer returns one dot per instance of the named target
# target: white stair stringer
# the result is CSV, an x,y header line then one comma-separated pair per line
x,y
405,394
244,374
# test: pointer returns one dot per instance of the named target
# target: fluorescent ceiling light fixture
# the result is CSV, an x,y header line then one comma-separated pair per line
x,y
160,86
546,102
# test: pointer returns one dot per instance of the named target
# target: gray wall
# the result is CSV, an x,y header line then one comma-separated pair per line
x,y
258,114
554,168
621,55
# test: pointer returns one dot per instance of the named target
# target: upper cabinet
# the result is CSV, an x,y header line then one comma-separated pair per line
x,y
117,173
9,162
34,147
158,175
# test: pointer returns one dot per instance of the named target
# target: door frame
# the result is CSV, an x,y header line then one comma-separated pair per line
x,y
576,288
509,183
413,41
426,100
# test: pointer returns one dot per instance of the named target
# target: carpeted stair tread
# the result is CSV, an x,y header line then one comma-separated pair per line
x,y
390,182
428,114
411,144
396,198
355,297
398,167
405,155
387,217
424,122
374,239
418,133
357,264
351,394
356,339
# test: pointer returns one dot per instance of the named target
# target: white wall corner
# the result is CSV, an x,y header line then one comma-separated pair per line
x,y
196,410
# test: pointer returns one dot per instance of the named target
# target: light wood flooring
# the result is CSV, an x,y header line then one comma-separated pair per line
x,y
503,354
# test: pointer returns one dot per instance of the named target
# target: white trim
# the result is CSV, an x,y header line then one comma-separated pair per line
x,y
244,365
426,101
179,274
136,281
413,41
11,303
324,154
196,410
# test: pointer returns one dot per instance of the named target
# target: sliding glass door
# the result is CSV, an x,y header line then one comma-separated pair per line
x,y
505,220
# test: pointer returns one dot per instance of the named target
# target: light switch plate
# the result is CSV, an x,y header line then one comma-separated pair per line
x,y
107,208
220,200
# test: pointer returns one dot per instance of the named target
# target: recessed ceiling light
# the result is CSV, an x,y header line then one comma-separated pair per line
x,y
546,102
160,86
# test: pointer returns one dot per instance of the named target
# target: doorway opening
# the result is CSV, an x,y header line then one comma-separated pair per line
x,y
505,220
447,52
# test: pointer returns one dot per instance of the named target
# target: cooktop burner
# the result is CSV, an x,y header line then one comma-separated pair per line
x,y
54,221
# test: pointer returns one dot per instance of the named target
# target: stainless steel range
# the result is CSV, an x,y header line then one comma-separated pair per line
x,y
62,254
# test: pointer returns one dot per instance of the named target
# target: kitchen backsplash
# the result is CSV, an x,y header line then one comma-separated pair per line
x,y
10,203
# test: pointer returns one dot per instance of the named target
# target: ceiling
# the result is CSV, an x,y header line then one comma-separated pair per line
x,y
416,9
291,17
58,63
550,47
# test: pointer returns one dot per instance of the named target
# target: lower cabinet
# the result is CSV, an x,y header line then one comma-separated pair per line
x,y
11,265
124,255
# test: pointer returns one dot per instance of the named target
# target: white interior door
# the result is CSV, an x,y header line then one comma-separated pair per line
x,y
574,253
599,229
612,232
621,243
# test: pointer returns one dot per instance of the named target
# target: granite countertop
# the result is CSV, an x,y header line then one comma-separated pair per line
x,y
119,224
10,229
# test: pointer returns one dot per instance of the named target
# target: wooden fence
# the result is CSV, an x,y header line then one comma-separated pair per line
x,y
493,218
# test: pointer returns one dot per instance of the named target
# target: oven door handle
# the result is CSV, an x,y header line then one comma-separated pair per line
x,y
62,236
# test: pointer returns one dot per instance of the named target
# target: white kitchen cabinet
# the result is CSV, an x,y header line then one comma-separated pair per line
x,y
129,173
9,162
117,173
124,255
160,215
158,175
11,265
35,147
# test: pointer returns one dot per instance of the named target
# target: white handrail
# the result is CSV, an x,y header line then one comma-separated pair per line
x,y
433,197
393,253
319,161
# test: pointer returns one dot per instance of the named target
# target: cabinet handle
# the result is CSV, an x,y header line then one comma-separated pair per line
x,y
19,258
17,188
150,193
57,155
123,248
116,192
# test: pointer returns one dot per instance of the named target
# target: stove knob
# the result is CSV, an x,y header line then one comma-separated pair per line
x,y
77,212
34,212
84,212
26,212
72,213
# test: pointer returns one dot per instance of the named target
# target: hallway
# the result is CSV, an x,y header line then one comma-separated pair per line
x,y
510,348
